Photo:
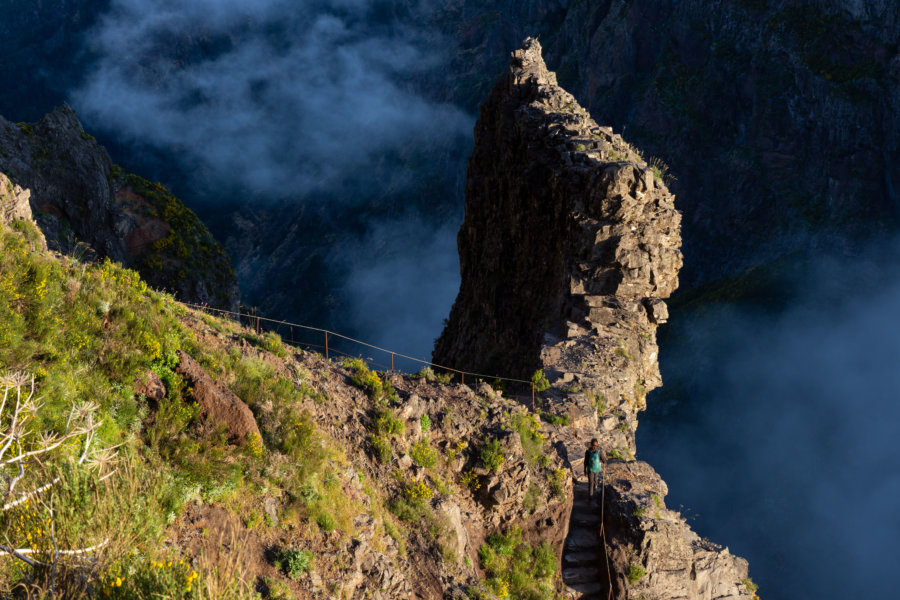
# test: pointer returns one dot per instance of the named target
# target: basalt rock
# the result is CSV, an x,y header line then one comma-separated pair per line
x,y
87,206
218,405
570,245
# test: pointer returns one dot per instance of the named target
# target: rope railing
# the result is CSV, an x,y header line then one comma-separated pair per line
x,y
329,348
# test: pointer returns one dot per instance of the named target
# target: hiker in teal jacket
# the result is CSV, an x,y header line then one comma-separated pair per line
x,y
592,468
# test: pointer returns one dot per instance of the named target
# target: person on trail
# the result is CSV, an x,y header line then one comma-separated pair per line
x,y
592,468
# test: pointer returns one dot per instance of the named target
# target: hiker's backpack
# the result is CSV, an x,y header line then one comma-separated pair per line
x,y
594,466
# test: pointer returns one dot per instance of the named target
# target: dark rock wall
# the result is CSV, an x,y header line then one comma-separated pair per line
x,y
779,119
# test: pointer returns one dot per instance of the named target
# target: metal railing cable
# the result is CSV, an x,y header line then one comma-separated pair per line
x,y
260,319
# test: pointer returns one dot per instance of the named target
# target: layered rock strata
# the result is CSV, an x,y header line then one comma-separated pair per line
x,y
86,205
569,247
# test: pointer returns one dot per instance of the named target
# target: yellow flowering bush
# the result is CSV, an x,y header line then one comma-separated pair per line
x,y
470,480
137,577
416,492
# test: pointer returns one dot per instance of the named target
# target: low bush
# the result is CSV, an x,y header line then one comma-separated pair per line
x,y
540,381
381,448
423,454
515,569
492,455
294,562
635,573
386,423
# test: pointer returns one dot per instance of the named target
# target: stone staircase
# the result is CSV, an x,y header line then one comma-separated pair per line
x,y
583,568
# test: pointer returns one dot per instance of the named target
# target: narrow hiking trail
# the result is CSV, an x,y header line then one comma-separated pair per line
x,y
583,553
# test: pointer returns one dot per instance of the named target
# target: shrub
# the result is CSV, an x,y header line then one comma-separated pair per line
x,y
516,569
470,480
556,419
557,479
532,500
416,492
365,378
425,422
427,373
294,562
386,423
137,577
540,381
491,455
634,573
326,522
530,435
381,448
423,454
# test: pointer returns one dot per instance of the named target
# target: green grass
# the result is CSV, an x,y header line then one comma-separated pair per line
x,y
517,569
88,332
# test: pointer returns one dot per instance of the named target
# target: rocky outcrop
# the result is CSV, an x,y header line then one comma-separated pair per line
x,y
14,201
219,406
86,205
569,247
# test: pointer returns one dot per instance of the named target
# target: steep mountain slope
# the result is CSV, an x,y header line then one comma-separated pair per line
x,y
569,247
80,198
217,462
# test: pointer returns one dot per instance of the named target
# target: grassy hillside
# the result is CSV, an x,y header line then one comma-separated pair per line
x,y
165,504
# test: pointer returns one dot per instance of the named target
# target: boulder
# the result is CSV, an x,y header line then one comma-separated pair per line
x,y
151,386
217,403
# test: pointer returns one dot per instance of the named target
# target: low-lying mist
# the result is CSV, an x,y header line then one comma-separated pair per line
x,y
279,98
777,429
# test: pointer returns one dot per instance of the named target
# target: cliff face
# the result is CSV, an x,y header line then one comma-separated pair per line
x,y
570,244
760,108
80,198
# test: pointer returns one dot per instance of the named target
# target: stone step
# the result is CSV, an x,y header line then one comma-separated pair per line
x,y
587,519
579,559
576,575
590,589
582,540
583,505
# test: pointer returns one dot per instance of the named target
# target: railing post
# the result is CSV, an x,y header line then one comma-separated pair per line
x,y
532,396
463,375
392,362
257,324
326,345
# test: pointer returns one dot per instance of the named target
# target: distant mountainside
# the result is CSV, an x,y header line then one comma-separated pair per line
x,y
87,205
778,120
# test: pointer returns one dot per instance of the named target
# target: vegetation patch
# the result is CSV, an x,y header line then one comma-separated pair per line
x,y
492,455
515,569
